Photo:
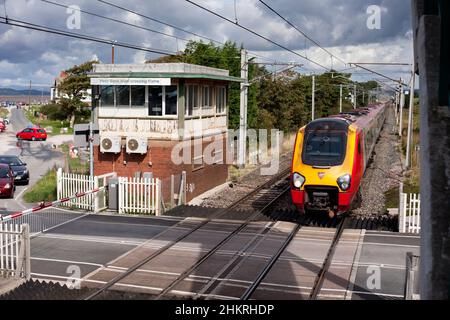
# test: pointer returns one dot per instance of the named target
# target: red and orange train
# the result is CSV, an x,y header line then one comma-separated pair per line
x,y
330,158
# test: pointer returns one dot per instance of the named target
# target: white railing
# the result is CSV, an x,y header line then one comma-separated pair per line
x,y
14,251
409,213
69,184
139,195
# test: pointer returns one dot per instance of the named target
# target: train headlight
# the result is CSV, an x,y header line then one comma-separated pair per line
x,y
344,182
298,180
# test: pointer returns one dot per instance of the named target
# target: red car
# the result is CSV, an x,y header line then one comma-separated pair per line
x,y
7,187
32,134
2,126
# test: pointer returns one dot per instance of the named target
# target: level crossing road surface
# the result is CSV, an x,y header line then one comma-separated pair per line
x,y
89,242
97,248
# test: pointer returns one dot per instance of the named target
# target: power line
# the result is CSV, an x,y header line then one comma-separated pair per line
x,y
158,21
32,26
380,74
116,20
253,32
175,27
300,31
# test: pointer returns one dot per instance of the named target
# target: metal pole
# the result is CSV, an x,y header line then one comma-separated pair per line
x,y
112,53
243,111
354,100
410,122
402,103
364,96
91,148
313,96
340,98
29,96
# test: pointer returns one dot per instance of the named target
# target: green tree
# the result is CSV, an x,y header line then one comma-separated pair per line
x,y
228,57
73,89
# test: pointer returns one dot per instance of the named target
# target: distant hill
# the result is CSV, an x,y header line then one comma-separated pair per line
x,y
24,92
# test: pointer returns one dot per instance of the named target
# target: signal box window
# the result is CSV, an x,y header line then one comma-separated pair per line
x,y
155,94
171,99
137,96
107,96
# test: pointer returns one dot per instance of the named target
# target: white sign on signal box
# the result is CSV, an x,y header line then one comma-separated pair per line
x,y
130,81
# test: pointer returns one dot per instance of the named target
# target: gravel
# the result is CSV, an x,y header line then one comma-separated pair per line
x,y
384,171
235,190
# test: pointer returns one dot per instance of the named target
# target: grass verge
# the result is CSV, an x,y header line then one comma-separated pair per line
x,y
43,190
56,125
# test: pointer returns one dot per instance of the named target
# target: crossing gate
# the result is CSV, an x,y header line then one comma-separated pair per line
x,y
409,217
69,184
14,251
139,195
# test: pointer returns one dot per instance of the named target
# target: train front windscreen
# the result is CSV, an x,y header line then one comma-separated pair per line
x,y
324,147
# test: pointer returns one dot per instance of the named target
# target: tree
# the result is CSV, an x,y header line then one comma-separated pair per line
x,y
228,57
73,89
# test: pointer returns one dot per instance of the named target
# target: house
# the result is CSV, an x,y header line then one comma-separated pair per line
x,y
162,118
55,95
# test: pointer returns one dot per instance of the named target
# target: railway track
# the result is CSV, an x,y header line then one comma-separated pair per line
x,y
258,201
236,262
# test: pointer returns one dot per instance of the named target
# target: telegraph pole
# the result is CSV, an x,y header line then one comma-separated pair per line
x,y
313,96
340,98
410,121
113,52
402,103
354,101
243,111
29,96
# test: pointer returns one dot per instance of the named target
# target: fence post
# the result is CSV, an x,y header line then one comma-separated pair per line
x,y
182,193
158,197
58,183
119,186
26,243
96,196
401,212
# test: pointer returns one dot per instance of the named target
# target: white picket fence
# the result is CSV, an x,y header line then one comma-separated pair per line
x,y
409,217
69,184
14,251
139,195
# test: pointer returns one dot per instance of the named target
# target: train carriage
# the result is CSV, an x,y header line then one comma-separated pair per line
x,y
330,158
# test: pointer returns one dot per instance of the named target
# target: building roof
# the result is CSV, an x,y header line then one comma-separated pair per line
x,y
161,70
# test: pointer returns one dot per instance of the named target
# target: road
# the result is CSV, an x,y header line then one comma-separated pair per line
x,y
39,156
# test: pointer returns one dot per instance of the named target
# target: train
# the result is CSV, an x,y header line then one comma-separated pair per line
x,y
330,158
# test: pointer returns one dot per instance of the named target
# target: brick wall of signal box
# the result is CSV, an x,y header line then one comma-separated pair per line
x,y
158,161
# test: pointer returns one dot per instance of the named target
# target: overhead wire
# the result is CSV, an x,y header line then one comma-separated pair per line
x,y
176,27
37,27
254,33
301,32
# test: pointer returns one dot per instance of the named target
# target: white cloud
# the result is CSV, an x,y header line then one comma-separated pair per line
x,y
337,24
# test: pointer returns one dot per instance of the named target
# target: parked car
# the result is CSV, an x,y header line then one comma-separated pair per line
x,y
2,126
34,133
7,187
18,167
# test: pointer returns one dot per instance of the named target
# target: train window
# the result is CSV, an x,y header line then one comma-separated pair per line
x,y
359,145
324,148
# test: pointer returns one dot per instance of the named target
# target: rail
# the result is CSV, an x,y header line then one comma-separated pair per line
x,y
218,214
327,262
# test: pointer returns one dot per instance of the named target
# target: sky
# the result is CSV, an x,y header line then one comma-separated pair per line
x,y
340,26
